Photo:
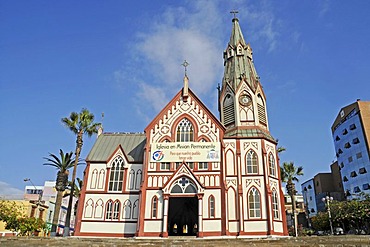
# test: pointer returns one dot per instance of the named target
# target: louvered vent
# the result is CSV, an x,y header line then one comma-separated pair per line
x,y
229,111
262,114
229,114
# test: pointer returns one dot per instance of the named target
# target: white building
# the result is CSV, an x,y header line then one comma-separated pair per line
x,y
190,173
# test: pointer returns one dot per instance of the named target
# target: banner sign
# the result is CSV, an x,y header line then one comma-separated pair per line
x,y
185,151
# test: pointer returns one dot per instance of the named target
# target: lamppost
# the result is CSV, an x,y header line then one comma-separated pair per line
x,y
327,201
38,203
307,209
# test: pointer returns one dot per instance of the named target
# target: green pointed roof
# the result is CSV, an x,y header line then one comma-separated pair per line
x,y
238,61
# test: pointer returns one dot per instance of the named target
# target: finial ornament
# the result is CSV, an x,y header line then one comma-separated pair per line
x,y
185,64
234,12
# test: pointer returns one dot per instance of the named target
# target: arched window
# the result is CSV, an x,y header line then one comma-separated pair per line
x,y
275,204
135,209
185,131
94,178
184,185
254,203
126,209
272,168
101,179
89,208
154,207
116,210
109,209
211,206
131,179
252,166
138,179
116,175
99,209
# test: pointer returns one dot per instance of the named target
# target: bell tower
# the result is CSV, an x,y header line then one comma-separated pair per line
x,y
242,102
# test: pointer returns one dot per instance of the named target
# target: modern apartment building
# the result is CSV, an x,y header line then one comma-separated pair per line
x,y
351,131
321,185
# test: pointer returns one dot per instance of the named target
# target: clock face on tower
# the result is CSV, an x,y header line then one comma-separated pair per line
x,y
245,100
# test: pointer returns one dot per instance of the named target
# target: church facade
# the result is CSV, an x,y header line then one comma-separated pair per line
x,y
190,173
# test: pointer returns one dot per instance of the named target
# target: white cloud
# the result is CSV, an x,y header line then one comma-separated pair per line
x,y
324,7
8,192
262,23
195,33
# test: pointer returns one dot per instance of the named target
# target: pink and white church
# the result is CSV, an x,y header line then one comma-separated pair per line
x,y
190,173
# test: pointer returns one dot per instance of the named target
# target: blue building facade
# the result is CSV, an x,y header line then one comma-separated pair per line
x,y
350,135
309,197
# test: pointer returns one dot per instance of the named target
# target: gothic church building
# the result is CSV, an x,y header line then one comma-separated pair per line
x,y
190,173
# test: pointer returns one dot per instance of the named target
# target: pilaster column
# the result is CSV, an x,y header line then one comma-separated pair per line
x,y
200,215
165,216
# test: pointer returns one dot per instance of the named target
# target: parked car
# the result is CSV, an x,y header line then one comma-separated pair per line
x,y
338,231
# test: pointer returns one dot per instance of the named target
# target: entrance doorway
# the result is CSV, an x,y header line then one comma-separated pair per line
x,y
183,216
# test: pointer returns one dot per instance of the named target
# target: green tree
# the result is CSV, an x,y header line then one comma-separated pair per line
x,y
289,174
80,124
62,164
15,220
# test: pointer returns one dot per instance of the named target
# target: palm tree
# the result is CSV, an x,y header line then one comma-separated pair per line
x,y
289,174
76,191
80,124
62,165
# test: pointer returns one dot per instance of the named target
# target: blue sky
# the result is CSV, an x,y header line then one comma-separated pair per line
x,y
123,58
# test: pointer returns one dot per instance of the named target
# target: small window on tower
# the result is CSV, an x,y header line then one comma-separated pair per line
x,y
337,138
345,132
352,126
356,141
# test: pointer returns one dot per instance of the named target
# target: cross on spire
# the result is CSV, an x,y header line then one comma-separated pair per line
x,y
234,12
185,64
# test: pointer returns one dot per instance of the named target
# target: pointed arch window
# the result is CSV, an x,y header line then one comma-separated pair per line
x,y
94,178
252,164
211,204
154,207
98,213
109,209
254,203
127,209
138,179
89,208
135,209
116,210
116,175
185,131
275,204
272,167
131,179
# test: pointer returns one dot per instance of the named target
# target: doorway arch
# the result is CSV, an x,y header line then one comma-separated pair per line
x,y
183,210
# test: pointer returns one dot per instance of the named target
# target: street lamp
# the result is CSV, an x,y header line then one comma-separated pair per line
x,y
327,201
38,203
307,209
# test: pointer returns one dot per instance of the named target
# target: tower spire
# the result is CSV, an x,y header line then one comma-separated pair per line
x,y
242,101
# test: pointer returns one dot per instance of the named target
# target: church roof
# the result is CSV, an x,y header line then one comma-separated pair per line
x,y
107,143
251,133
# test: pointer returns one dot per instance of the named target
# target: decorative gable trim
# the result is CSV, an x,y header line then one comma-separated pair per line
x,y
182,170
118,152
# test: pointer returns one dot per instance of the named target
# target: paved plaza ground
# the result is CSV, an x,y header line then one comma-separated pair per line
x,y
345,240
